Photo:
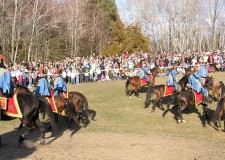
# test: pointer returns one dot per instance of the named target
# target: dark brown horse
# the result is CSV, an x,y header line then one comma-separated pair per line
x,y
81,106
187,99
218,88
134,83
159,92
219,114
64,107
30,106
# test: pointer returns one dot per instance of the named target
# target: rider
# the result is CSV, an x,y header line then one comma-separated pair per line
x,y
6,85
203,73
59,85
196,83
144,72
172,78
43,87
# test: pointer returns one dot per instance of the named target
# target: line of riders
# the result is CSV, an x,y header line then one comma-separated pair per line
x,y
196,79
43,87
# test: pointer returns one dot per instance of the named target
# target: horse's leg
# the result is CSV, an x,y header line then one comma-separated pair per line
x,y
161,105
137,91
219,126
67,121
153,106
0,142
0,114
24,135
40,126
205,111
130,90
180,115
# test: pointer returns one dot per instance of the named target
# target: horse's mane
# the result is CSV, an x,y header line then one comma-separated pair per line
x,y
184,79
25,88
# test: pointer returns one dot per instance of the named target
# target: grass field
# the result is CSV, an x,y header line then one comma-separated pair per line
x,y
117,114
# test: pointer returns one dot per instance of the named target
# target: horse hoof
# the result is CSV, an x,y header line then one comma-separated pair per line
x,y
183,121
179,121
152,110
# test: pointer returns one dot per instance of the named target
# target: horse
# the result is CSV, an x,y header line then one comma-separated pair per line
x,y
159,91
64,107
134,83
187,99
30,106
81,106
219,114
218,88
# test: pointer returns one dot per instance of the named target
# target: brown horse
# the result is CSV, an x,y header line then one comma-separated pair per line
x,y
218,89
219,114
81,106
134,83
64,107
187,99
159,92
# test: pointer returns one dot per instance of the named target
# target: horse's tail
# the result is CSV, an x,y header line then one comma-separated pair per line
x,y
222,89
45,107
218,110
85,104
127,85
148,96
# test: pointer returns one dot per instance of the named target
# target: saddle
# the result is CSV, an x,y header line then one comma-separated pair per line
x,y
168,90
10,106
144,81
198,97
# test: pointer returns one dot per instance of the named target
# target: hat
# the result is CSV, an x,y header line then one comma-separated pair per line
x,y
196,68
174,66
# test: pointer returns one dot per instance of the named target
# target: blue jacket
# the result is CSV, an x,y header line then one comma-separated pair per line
x,y
203,72
196,82
43,87
60,85
172,78
6,84
143,72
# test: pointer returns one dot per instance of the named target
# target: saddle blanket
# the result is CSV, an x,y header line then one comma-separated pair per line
x,y
144,81
64,94
10,106
198,97
51,100
168,90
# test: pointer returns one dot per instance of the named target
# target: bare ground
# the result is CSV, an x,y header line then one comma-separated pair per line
x,y
95,146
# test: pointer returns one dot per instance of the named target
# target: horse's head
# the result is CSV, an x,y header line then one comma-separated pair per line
x,y
156,70
209,83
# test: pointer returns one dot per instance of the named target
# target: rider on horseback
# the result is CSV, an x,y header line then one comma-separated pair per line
x,y
59,85
172,78
144,72
196,83
43,87
6,84
203,73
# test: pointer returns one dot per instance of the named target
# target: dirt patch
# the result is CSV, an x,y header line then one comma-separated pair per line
x,y
111,146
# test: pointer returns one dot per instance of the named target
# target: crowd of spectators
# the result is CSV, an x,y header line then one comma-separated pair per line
x,y
104,68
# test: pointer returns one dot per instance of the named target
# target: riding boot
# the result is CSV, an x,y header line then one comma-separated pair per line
x,y
204,100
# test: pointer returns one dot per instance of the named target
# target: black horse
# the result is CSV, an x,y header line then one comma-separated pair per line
x,y
187,99
30,106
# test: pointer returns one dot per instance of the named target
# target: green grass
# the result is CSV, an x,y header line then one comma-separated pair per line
x,y
116,113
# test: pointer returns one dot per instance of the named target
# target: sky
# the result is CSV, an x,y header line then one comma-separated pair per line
x,y
126,10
